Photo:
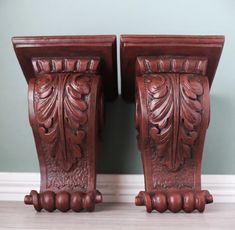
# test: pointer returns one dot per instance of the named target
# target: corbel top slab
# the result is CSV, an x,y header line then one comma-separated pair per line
x,y
29,49
133,46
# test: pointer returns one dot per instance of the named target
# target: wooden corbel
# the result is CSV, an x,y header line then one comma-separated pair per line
x,y
67,77
170,78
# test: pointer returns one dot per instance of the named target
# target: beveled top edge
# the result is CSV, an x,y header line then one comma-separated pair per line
x,y
103,46
34,40
181,39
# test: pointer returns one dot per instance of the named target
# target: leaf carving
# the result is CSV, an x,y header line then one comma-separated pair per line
x,y
190,113
160,113
61,114
173,146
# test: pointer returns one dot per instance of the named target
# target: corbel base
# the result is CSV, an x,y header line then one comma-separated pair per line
x,y
174,200
63,201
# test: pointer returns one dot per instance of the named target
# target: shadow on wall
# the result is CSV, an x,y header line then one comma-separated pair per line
x,y
217,150
119,153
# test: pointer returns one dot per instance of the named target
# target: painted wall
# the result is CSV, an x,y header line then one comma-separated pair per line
x,y
74,17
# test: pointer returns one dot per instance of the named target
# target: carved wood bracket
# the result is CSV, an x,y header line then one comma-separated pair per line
x,y
66,115
172,116
177,116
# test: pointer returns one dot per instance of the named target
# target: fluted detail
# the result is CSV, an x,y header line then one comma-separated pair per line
x,y
65,65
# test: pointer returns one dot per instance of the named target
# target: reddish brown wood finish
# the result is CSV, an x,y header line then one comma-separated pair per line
x,y
173,75
102,46
133,46
65,76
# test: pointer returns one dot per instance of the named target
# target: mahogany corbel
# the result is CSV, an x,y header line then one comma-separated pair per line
x,y
67,77
170,78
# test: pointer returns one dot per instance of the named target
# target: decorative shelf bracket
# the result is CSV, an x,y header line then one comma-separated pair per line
x,y
66,77
170,78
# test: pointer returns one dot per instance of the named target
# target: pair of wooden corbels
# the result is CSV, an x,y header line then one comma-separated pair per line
x,y
168,77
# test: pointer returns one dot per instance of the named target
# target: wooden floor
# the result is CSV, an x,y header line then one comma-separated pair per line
x,y
15,215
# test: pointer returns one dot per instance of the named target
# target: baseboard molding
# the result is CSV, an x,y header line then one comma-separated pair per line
x,y
115,188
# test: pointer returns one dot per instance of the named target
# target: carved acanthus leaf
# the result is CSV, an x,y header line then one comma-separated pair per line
x,y
173,133
160,113
61,113
190,113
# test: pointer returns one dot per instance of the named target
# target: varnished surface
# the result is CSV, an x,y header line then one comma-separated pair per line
x,y
14,215
65,96
133,46
70,47
172,76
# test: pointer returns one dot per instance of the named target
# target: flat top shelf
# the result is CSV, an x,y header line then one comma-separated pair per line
x,y
101,46
133,46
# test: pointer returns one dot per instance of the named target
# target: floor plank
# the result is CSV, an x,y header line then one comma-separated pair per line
x,y
15,215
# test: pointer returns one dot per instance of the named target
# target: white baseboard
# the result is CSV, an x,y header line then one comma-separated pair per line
x,y
115,188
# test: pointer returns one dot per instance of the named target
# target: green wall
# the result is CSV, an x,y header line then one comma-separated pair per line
x,y
120,154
